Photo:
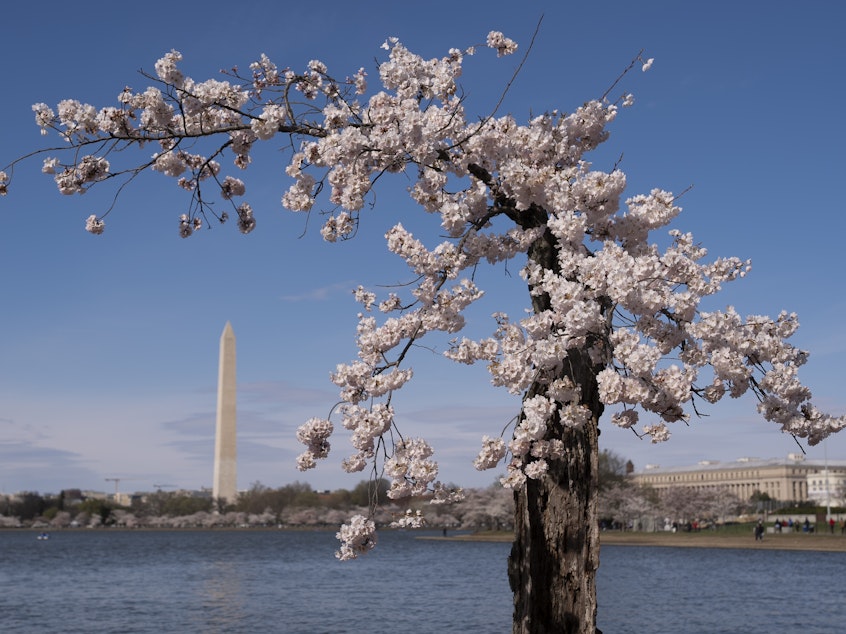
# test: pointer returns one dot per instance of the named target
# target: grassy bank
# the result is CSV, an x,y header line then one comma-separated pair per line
x,y
740,538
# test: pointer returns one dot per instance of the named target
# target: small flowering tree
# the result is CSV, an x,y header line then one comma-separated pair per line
x,y
614,320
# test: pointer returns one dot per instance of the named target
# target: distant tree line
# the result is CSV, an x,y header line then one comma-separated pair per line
x,y
622,504
292,505
295,504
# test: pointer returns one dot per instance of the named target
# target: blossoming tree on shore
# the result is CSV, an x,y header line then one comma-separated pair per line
x,y
614,322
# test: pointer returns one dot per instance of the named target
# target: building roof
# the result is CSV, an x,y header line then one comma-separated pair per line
x,y
792,460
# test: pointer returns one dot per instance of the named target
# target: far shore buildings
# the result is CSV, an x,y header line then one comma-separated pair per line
x,y
791,479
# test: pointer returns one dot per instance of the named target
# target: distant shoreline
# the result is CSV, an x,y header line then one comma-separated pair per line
x,y
705,539
710,539
821,542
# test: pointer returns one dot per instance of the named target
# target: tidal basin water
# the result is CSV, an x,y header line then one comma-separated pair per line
x,y
225,582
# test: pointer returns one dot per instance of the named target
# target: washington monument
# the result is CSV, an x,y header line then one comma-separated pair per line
x,y
225,450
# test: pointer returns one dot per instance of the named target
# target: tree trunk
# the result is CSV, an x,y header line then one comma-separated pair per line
x,y
555,555
553,562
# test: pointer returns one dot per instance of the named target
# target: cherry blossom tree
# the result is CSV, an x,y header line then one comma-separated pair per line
x,y
62,520
627,504
686,503
680,504
485,509
719,504
614,319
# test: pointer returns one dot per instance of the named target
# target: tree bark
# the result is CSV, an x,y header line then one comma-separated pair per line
x,y
555,555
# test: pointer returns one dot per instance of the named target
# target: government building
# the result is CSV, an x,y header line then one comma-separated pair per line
x,y
794,479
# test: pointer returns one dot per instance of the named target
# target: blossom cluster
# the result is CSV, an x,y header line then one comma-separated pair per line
x,y
492,453
367,425
77,178
314,434
411,519
410,469
178,108
502,44
357,538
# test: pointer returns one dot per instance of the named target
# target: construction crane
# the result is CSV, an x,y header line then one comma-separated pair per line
x,y
117,483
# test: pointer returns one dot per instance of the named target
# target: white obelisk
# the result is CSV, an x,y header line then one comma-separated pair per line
x,y
225,449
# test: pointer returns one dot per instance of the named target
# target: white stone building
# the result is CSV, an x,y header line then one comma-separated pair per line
x,y
791,479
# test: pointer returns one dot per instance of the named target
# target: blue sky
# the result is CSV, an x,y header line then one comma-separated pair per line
x,y
109,344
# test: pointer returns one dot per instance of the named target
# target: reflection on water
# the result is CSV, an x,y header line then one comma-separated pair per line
x,y
223,591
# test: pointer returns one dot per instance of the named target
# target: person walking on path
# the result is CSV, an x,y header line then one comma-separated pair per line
x,y
759,531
